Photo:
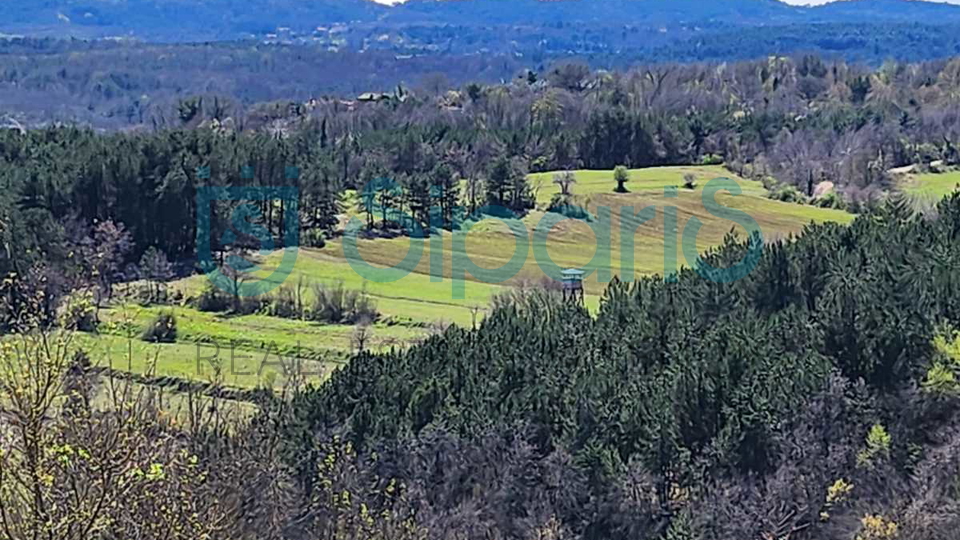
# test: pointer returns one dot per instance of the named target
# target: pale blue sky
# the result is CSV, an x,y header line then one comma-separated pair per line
x,y
812,2
797,2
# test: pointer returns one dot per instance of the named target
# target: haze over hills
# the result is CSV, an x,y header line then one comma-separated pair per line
x,y
257,51
198,20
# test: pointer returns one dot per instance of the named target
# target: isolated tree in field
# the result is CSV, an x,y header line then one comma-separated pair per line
x,y
565,180
362,334
621,175
233,270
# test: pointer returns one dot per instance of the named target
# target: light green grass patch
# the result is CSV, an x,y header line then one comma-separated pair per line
x,y
932,187
643,181
322,342
426,292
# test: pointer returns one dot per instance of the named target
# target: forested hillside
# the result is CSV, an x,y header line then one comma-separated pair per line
x,y
815,399
355,21
793,123
815,392
150,390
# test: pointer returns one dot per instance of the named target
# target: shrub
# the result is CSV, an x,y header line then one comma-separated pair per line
x,y
941,378
338,305
786,193
212,299
313,238
831,200
877,527
560,204
162,329
711,159
80,313
284,304
878,446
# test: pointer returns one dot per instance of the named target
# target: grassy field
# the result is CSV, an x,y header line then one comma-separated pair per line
x,y
426,292
245,350
648,181
490,243
932,187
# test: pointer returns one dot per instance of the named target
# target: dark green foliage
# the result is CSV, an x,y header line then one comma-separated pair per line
x,y
563,205
162,329
621,176
786,193
507,187
681,410
691,382
212,299
339,305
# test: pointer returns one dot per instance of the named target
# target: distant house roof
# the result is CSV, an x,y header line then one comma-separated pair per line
x,y
372,96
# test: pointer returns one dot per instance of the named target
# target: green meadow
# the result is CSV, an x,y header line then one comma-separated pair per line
x,y
932,187
418,296
241,351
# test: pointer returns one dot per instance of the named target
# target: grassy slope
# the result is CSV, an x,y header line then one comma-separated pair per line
x,y
424,295
245,348
932,187
490,244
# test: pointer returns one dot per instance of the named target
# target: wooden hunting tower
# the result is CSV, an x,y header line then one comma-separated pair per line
x,y
572,285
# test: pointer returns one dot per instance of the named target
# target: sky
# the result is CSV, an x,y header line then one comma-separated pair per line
x,y
795,2
816,2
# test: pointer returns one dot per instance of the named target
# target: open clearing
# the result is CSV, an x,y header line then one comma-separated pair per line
x,y
425,293
932,187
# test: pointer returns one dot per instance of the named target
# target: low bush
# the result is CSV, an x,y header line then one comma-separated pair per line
x,y
284,303
212,299
831,200
79,312
711,159
162,329
561,204
339,305
786,193
313,238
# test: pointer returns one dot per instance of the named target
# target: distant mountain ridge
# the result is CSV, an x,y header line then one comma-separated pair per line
x,y
535,30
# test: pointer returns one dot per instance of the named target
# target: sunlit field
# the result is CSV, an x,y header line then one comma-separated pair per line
x,y
420,297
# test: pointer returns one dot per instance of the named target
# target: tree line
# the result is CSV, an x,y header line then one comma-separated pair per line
x,y
795,122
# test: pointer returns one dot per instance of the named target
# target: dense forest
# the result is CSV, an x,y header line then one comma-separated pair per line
x,y
614,30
